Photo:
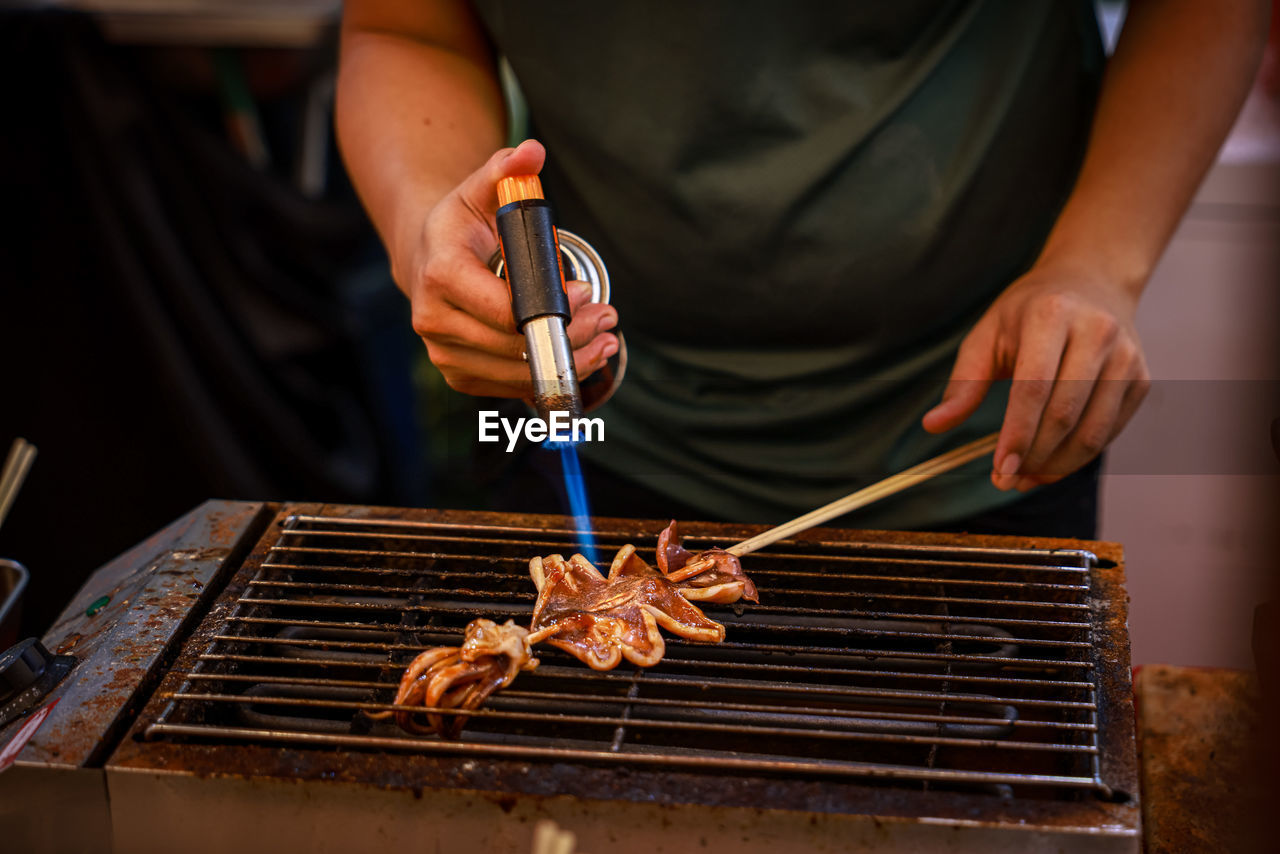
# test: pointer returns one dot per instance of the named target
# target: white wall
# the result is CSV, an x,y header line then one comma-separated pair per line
x,y
1192,488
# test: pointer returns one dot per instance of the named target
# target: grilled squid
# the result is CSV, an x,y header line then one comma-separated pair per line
x,y
452,677
713,575
601,620
598,619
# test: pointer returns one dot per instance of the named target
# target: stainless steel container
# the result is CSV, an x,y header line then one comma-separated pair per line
x,y
13,583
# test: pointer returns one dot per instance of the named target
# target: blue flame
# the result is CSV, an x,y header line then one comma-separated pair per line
x,y
576,493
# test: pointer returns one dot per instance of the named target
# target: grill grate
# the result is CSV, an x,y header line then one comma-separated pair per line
x,y
920,665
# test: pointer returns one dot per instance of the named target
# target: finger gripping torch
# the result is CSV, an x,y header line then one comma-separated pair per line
x,y
531,259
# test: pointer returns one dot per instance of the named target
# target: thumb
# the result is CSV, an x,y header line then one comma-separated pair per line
x,y
971,377
479,190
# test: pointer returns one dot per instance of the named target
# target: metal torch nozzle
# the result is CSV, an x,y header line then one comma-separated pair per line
x,y
555,383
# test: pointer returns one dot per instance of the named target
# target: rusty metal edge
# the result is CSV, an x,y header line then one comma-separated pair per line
x,y
158,589
1117,724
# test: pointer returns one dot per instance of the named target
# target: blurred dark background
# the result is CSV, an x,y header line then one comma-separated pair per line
x,y
192,303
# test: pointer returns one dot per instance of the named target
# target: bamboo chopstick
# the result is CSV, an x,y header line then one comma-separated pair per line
x,y
894,483
21,455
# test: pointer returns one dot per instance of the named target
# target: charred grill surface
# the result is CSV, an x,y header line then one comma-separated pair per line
x,y
904,663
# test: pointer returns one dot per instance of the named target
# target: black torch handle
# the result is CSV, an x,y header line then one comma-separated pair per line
x,y
531,255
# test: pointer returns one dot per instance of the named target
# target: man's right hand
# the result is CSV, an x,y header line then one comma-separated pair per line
x,y
463,311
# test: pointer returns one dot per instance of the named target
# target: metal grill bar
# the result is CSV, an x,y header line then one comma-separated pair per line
x,y
957,650
866,615
865,653
703,664
640,723
297,521
675,759
620,731
877,615
799,688
633,699
492,576
885,632
322,604
537,546
901,579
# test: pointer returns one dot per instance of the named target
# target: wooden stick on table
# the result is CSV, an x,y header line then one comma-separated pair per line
x,y
21,455
895,483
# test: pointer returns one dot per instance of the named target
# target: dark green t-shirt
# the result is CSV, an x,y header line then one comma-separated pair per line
x,y
803,208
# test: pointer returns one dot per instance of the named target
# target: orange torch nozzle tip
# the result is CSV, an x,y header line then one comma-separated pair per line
x,y
518,188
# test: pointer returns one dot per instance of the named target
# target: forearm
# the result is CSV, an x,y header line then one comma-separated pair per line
x,y
1065,331
1171,92
414,118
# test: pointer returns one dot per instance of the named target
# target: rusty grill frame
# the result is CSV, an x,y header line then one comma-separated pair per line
x,y
185,722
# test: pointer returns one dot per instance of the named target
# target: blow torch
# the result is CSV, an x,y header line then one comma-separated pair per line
x,y
530,249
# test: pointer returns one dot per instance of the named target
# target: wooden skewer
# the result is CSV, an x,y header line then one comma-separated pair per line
x,y
890,485
21,455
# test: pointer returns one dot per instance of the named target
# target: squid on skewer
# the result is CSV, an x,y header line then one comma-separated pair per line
x,y
601,620
713,575
598,619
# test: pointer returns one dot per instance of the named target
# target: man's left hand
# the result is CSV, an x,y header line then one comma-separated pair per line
x,y
1067,339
